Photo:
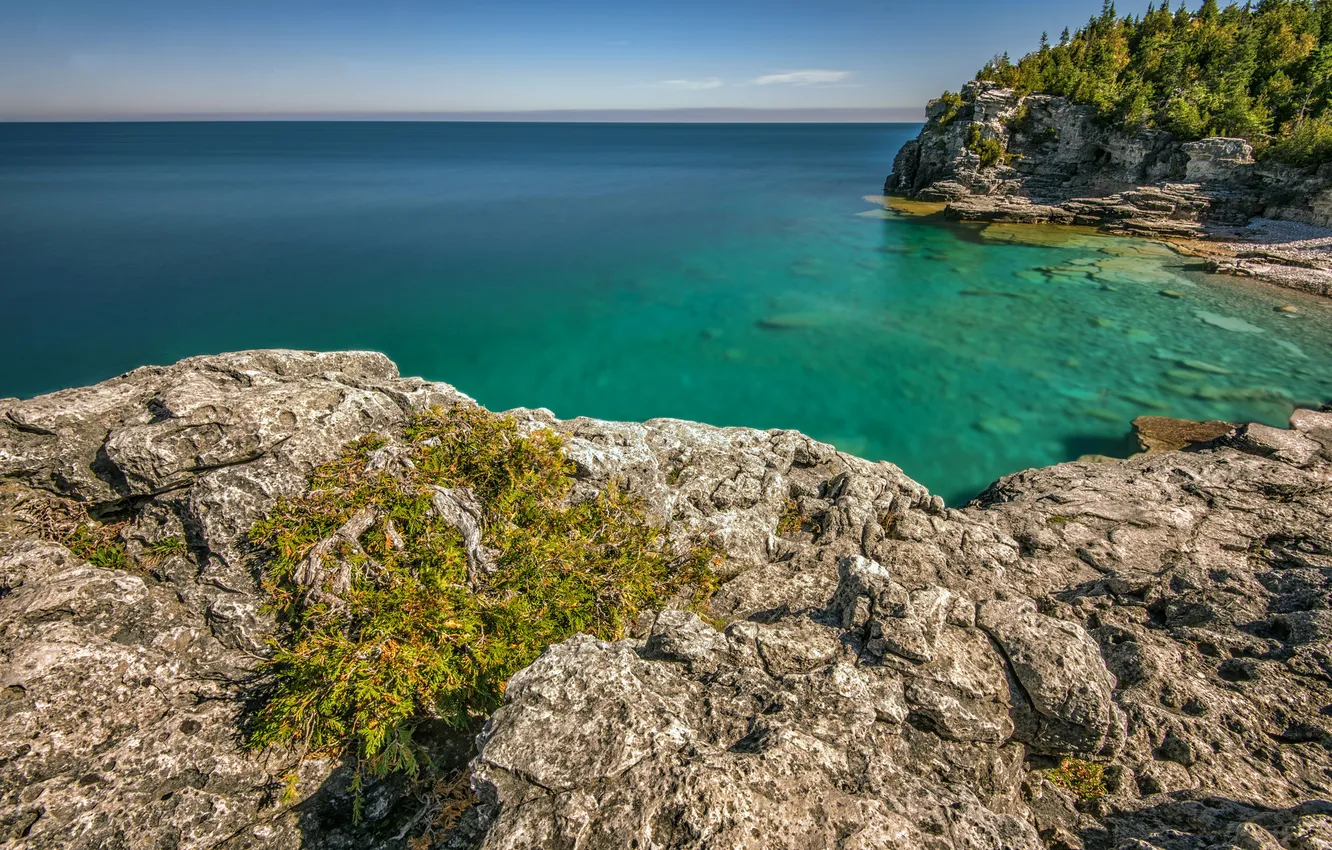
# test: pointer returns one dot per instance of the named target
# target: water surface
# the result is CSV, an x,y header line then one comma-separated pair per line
x,y
728,273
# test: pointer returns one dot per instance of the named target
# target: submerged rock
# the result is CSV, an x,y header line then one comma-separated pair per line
x,y
998,425
1204,366
1162,434
892,673
1229,323
792,322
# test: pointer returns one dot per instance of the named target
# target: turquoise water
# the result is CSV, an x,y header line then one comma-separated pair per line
x,y
731,274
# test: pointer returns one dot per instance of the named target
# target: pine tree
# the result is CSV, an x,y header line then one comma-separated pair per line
x,y
1320,76
1262,71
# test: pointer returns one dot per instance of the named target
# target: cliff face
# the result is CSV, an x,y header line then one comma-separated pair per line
x,y
887,673
1063,165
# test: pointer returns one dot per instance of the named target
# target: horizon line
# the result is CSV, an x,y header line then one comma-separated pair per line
x,y
711,115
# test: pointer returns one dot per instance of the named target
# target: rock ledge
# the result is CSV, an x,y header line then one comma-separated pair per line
x,y
896,674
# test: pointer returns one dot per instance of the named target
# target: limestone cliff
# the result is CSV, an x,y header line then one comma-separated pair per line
x,y
1061,164
886,673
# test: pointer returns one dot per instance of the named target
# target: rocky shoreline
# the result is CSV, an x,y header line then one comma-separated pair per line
x,y
880,672
1061,165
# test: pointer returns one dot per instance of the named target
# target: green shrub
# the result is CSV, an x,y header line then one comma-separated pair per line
x,y
1086,779
991,152
954,102
1310,144
974,138
790,521
97,548
400,624
163,549
67,523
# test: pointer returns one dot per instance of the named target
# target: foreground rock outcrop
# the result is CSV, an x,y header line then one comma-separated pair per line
x,y
879,670
1061,164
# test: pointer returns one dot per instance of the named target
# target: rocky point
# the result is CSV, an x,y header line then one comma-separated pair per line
x,y
1061,164
878,670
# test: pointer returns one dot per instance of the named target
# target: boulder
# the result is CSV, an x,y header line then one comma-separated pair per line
x,y
618,747
1217,160
1286,445
1065,693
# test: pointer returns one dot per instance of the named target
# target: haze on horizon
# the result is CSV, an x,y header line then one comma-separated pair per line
x,y
704,59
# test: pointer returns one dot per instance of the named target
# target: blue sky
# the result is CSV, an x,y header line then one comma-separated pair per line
x,y
84,58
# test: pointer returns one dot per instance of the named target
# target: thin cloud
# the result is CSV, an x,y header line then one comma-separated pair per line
x,y
693,85
803,78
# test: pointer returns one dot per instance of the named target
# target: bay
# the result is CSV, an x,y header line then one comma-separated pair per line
x,y
733,274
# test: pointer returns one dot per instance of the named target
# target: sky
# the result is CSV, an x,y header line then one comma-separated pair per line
x,y
62,59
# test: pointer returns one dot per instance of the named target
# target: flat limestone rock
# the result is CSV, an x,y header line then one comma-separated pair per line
x,y
1289,446
1162,434
1313,423
1229,323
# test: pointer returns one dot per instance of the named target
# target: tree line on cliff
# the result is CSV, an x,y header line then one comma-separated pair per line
x,y
1261,71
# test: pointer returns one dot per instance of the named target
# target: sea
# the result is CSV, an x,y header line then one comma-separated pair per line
x,y
737,274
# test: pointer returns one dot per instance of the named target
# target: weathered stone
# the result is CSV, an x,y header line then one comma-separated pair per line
x,y
1062,677
681,636
909,624
1289,446
861,584
962,692
1315,424
1218,160
879,685
633,758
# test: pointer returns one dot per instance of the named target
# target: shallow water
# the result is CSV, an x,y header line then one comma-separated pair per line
x,y
731,274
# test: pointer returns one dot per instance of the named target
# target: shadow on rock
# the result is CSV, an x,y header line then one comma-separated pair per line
x,y
1197,822
396,810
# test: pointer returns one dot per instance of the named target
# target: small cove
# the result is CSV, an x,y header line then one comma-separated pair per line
x,y
731,274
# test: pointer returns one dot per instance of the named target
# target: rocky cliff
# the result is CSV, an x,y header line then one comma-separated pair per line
x,y
1055,161
1131,654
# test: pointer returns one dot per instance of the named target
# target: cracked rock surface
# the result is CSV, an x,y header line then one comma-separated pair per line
x,y
891,673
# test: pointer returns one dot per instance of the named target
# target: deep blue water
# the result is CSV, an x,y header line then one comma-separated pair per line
x,y
728,273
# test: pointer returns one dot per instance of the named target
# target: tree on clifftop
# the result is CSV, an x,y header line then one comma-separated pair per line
x,y
1263,73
